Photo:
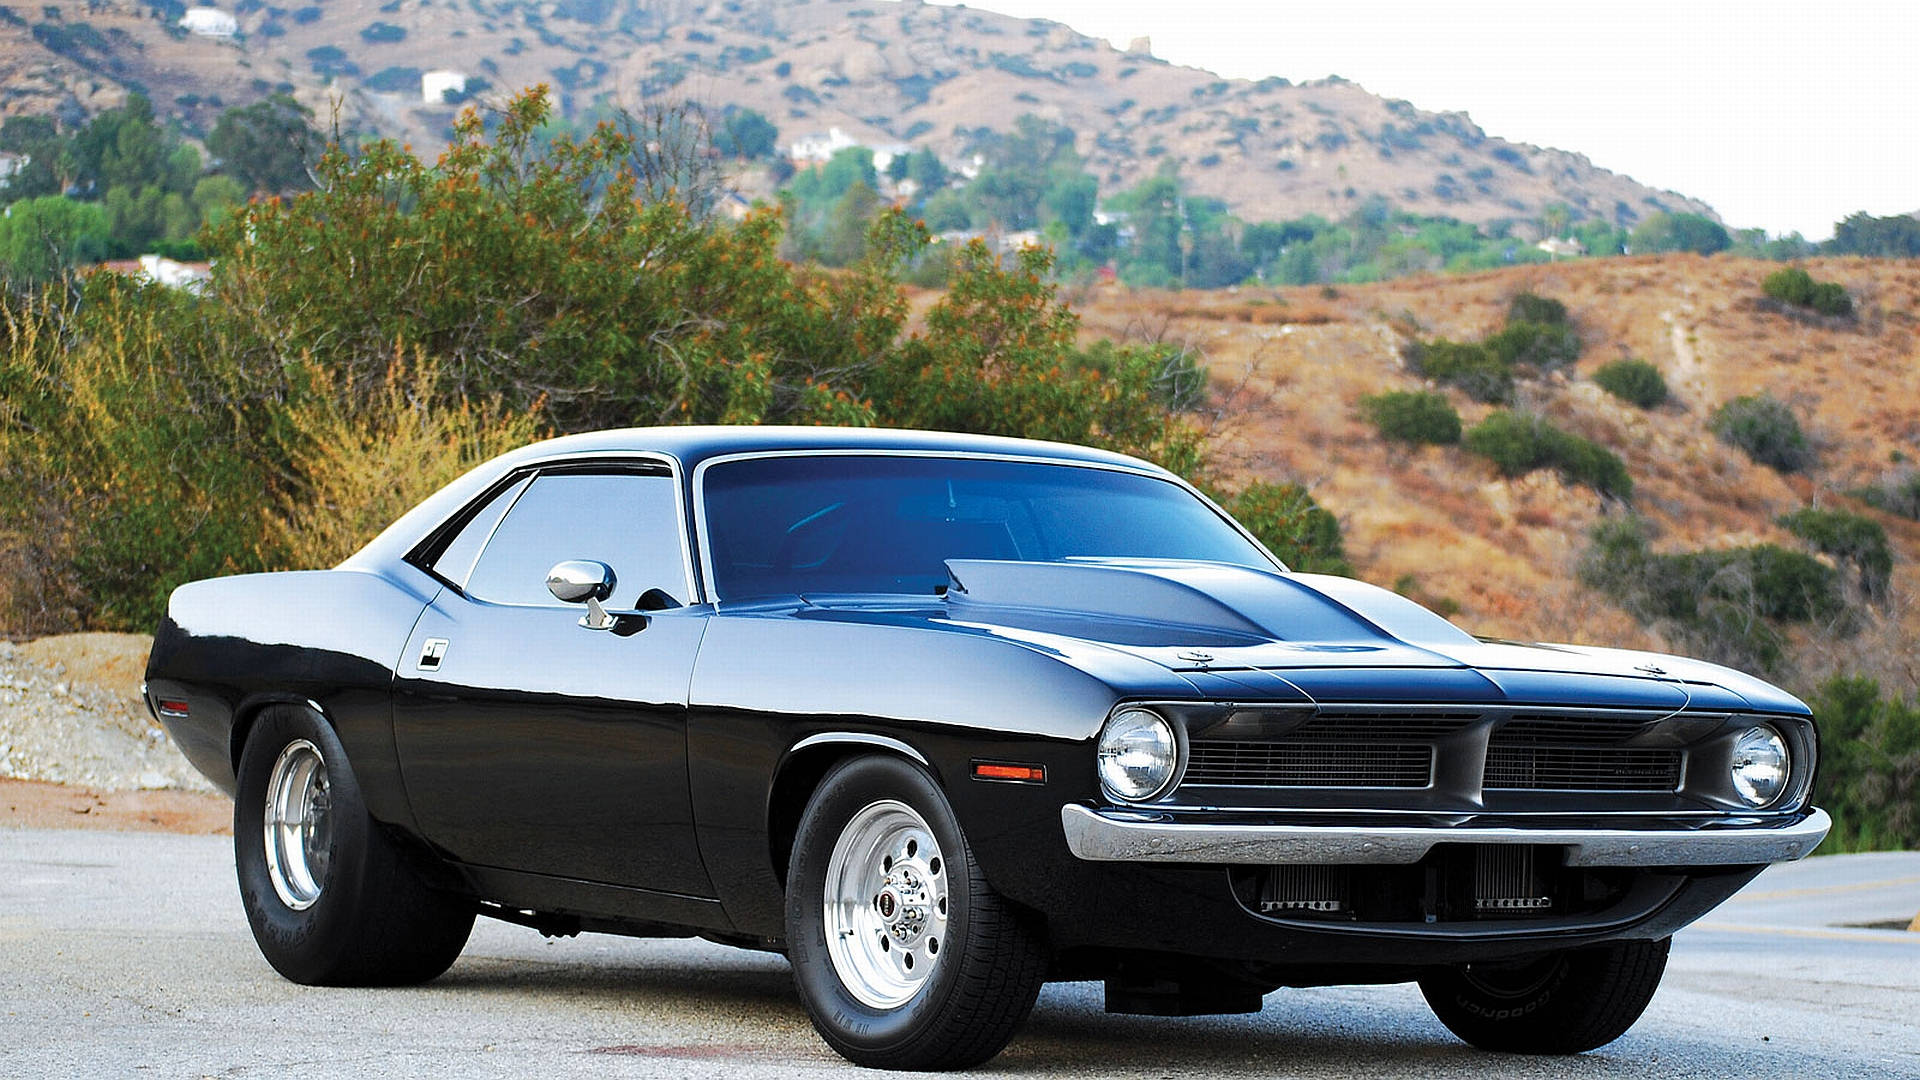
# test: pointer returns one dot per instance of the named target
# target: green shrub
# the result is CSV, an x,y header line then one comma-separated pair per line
x,y
1869,775
1633,381
1722,605
1483,376
1413,417
1533,308
1849,538
1518,444
1764,428
1538,345
1284,516
1897,493
1792,285
149,437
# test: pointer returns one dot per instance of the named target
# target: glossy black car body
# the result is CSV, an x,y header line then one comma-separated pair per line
x,y
1365,792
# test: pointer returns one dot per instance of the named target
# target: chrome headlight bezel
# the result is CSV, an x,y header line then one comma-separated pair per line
x,y
1760,767
1139,731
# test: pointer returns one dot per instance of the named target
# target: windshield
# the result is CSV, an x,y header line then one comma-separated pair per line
x,y
887,524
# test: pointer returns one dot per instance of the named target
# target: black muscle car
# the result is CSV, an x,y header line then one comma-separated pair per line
x,y
942,718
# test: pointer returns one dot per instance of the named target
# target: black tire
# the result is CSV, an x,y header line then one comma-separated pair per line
x,y
1563,1003
988,973
365,918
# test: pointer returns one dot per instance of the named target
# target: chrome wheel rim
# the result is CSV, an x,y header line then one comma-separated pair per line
x,y
298,831
886,905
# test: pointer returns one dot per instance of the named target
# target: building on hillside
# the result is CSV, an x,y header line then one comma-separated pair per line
x,y
1561,247
817,148
436,85
193,277
884,154
209,22
11,164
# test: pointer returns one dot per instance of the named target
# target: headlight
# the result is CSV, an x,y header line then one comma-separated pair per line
x,y
1760,766
1137,755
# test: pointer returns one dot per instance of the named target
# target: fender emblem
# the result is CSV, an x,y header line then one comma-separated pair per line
x,y
432,653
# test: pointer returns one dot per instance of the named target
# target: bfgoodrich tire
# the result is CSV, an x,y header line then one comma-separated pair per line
x,y
330,897
904,957
1562,1003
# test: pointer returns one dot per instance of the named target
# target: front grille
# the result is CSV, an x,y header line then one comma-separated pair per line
x,y
1360,725
1310,763
1583,729
1527,767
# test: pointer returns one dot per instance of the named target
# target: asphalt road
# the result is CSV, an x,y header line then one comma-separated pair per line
x,y
127,955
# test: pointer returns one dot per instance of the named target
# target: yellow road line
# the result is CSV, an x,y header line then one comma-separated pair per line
x,y
1825,890
1891,937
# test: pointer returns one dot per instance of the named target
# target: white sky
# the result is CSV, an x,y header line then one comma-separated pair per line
x,y
1782,115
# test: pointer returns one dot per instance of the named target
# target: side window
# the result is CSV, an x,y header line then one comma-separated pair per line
x,y
456,562
624,519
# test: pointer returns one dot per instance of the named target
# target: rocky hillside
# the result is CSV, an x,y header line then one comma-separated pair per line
x,y
881,71
1440,522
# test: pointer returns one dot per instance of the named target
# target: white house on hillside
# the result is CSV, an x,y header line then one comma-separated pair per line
x,y
435,84
209,22
819,147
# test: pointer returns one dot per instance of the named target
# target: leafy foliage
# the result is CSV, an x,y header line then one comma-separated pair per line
x,y
1293,526
1764,428
1898,492
1724,605
1792,285
40,239
1680,232
1471,367
268,145
1849,538
1413,417
1529,307
1542,346
431,315
1896,236
1518,444
1633,381
1869,777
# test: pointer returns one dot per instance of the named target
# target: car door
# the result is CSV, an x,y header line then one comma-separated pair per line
x,y
529,742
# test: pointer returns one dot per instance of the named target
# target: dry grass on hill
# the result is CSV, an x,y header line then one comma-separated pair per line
x,y
1291,364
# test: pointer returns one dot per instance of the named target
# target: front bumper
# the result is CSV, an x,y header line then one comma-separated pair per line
x,y
1130,836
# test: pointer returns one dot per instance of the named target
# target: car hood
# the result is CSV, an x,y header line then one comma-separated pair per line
x,y
1254,628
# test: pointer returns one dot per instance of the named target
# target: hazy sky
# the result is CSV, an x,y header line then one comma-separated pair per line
x,y
1782,115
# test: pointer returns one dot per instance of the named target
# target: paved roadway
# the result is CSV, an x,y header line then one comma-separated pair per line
x,y
125,955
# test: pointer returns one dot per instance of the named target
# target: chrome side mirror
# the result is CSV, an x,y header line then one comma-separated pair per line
x,y
584,581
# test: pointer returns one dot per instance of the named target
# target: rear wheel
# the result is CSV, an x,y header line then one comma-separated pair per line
x,y
330,897
904,956
1561,1003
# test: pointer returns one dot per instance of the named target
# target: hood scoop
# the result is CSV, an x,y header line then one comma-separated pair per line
x,y
1234,601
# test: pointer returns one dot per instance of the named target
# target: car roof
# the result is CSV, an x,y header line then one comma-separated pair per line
x,y
691,446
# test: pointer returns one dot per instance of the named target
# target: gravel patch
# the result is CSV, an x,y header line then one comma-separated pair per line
x,y
66,716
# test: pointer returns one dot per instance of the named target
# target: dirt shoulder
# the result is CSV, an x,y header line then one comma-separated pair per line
x,y
36,804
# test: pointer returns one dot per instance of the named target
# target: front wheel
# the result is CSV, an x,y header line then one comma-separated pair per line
x,y
1561,1003
332,899
904,957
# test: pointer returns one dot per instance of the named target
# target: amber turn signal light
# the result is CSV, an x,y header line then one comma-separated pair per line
x,y
994,770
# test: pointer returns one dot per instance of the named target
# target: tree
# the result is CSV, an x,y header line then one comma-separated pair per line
x,y
121,147
40,238
1680,232
268,146
39,140
746,134
1863,234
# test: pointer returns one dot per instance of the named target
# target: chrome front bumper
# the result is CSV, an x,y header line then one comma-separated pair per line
x,y
1124,836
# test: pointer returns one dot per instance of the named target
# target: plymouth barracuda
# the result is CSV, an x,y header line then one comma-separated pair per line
x,y
942,718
